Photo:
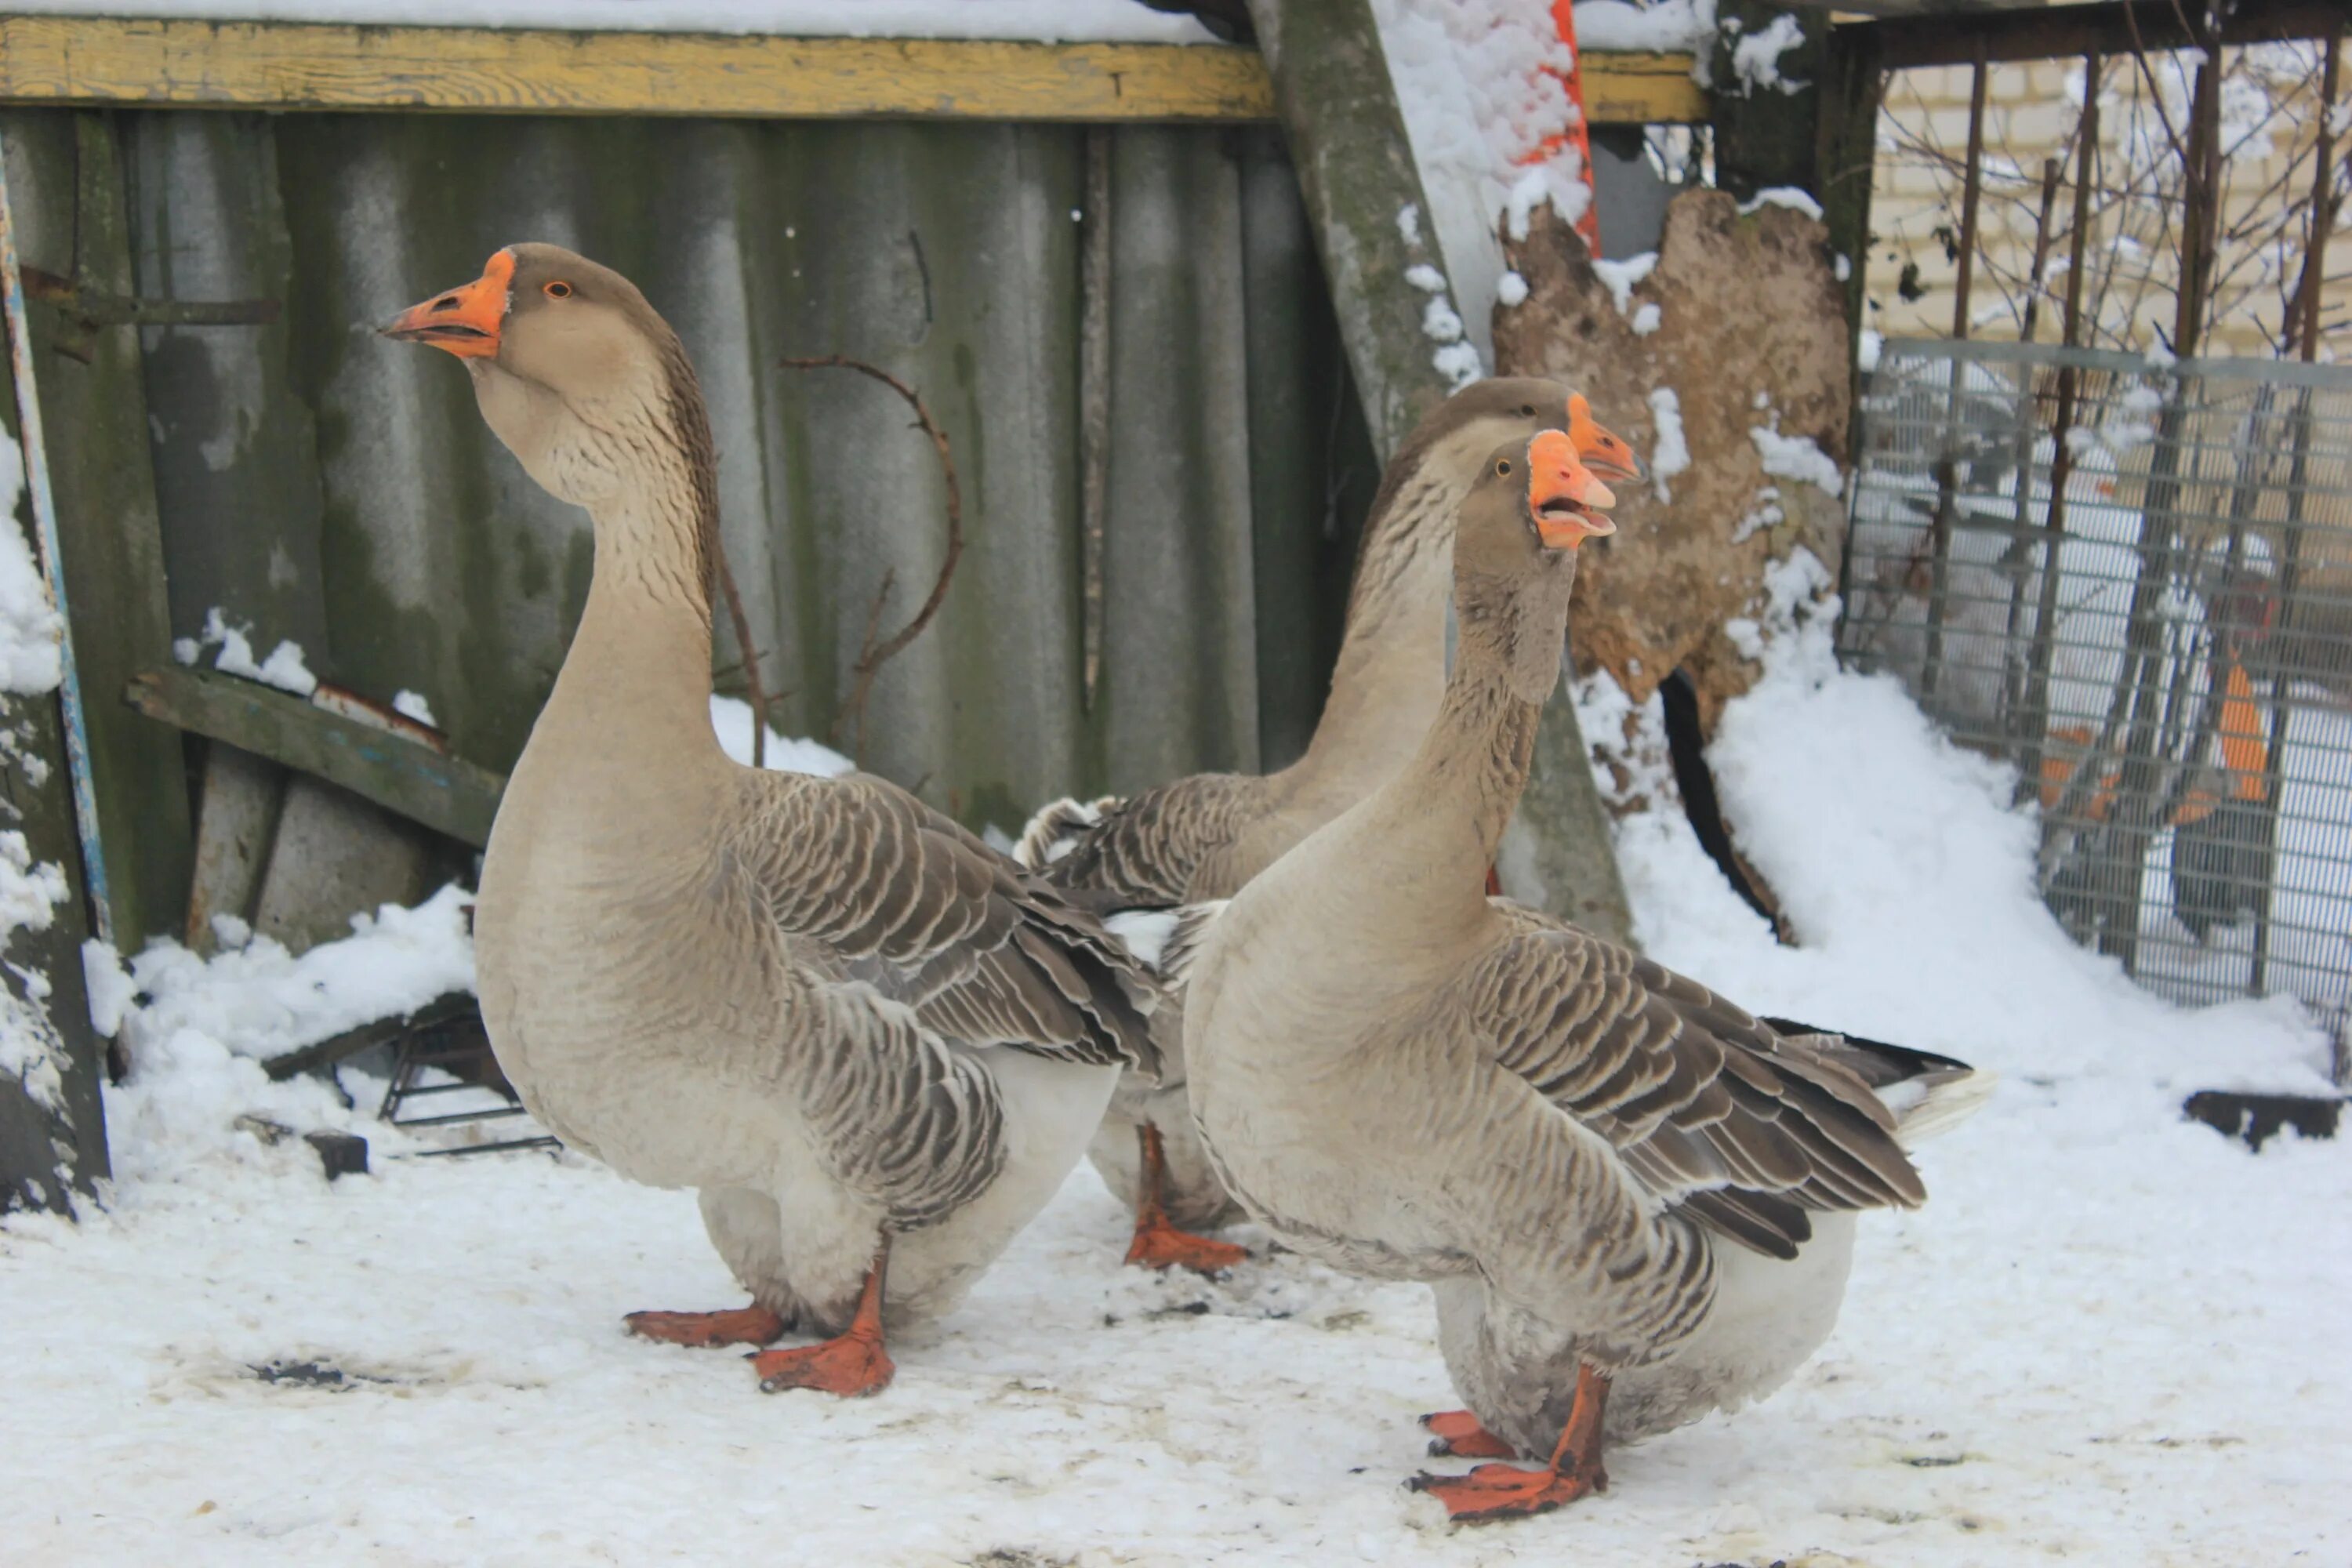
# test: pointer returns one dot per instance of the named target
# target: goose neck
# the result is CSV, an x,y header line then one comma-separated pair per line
x,y
1390,676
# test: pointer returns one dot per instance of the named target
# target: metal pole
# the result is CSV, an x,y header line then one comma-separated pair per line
x,y
45,524
2290,578
2323,205
2036,717
1971,192
1946,474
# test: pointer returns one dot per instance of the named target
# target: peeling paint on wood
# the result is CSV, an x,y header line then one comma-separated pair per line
x,y
448,795
301,65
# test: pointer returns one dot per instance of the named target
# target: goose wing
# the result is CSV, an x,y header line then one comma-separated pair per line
x,y
1707,1107
1152,850
899,1115
907,900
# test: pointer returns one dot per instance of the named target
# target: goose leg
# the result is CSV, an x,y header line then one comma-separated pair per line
x,y
1158,1244
1506,1491
1456,1434
752,1325
851,1365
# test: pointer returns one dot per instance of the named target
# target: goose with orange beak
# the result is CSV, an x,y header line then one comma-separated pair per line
x,y
875,1044
1203,836
1633,1200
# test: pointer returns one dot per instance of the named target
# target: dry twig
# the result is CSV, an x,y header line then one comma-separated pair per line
x,y
751,687
872,653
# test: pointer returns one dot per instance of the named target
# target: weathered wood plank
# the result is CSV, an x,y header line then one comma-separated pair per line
x,y
290,65
52,1118
71,219
448,794
352,1042
315,65
1357,171
1641,90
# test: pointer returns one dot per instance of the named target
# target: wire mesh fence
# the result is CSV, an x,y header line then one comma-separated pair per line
x,y
2133,583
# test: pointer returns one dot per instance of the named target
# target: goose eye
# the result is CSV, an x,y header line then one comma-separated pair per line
x,y
558,290
1527,410
1503,467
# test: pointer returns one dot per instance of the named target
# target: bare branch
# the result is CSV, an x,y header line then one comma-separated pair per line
x,y
873,655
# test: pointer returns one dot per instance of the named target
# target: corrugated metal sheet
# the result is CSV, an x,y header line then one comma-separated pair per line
x,y
333,487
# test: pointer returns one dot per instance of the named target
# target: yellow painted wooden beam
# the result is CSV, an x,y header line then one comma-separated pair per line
x,y
294,65
1642,89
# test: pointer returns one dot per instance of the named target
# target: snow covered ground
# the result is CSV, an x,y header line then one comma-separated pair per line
x,y
2110,1338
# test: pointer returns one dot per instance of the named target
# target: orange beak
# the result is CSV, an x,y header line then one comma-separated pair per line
x,y
466,321
1563,497
1606,453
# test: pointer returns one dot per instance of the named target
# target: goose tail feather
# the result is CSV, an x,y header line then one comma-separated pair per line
x,y
1929,1094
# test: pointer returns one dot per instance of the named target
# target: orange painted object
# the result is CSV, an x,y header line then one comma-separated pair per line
x,y
2243,749
1563,18
2245,757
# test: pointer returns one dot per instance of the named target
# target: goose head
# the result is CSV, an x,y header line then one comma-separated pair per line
x,y
1515,552
1604,454
572,369
1454,437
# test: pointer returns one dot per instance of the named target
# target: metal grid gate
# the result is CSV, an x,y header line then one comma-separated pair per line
x,y
2176,692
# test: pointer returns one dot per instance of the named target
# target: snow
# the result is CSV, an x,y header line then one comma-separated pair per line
x,y
2099,1343
1647,318
1052,20
413,705
257,999
1796,458
1510,289
30,892
1671,453
107,984
1621,277
1756,58
284,668
1667,28
1481,86
31,634
1788,196
732,717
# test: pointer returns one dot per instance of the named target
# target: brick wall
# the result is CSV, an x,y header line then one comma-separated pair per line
x,y
2030,115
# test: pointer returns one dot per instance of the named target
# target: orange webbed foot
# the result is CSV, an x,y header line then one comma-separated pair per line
x,y
852,1366
1456,1434
1158,1245
739,1326
1505,1491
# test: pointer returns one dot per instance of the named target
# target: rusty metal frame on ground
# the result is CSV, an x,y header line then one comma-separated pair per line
x,y
318,66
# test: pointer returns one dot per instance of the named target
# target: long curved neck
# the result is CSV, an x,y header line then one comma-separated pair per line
x,y
639,666
1447,808
1390,674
